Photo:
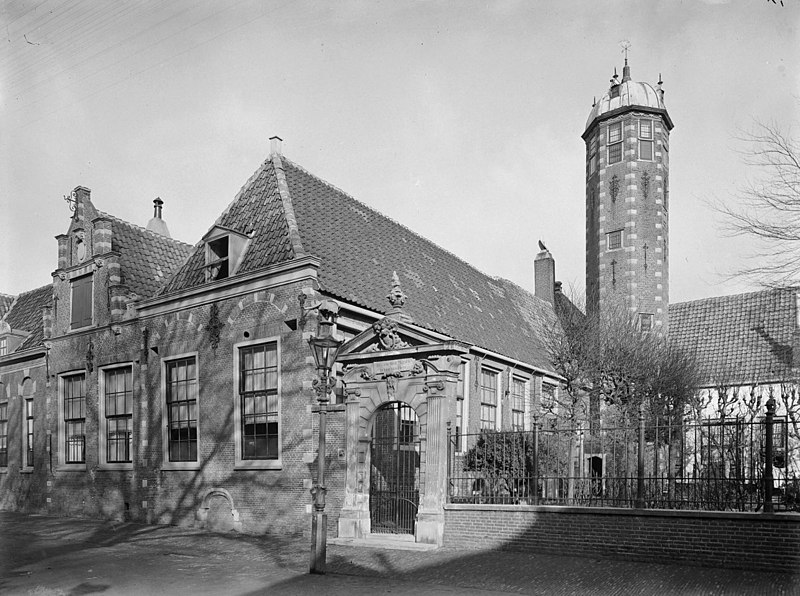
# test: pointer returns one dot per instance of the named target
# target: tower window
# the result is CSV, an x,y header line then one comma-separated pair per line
x,y
646,140
614,240
615,142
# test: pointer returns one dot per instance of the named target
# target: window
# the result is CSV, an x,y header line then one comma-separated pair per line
x,y
614,91
615,143
3,346
548,400
488,399
258,401
82,302
4,435
614,240
459,420
593,155
28,433
645,322
74,400
408,419
181,397
517,404
646,140
117,415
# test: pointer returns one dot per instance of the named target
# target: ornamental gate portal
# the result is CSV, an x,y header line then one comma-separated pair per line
x,y
395,480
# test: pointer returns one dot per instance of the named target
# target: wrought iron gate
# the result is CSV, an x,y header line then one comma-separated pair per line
x,y
395,480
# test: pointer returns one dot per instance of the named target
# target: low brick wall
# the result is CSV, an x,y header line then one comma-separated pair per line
x,y
736,540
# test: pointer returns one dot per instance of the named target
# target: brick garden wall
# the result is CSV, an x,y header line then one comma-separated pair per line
x,y
736,540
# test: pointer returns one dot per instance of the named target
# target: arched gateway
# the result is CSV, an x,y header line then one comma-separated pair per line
x,y
400,381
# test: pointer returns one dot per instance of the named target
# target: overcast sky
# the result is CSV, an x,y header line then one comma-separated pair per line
x,y
461,120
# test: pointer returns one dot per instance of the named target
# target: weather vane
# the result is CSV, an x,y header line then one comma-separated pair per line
x,y
71,199
625,45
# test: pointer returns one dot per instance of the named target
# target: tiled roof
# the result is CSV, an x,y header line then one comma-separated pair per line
x,y
147,259
741,338
258,209
5,304
360,248
26,315
290,212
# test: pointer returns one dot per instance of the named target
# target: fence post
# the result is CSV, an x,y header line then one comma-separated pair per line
x,y
640,466
768,480
449,464
535,460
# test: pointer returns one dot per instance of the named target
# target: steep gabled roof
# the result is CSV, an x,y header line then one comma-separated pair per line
x,y
742,338
288,212
25,314
257,211
147,259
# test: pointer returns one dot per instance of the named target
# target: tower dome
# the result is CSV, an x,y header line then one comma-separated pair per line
x,y
625,94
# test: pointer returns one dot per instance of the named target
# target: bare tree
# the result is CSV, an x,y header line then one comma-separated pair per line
x,y
768,209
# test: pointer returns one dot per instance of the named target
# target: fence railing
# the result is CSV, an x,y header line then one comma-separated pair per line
x,y
714,465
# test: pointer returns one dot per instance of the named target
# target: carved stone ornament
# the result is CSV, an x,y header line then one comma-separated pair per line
x,y
214,326
614,187
80,239
645,178
62,275
396,297
388,338
89,356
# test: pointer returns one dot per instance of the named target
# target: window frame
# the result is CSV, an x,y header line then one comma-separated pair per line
x,y
616,145
487,407
62,460
610,235
647,316
240,462
166,463
552,392
28,434
3,346
518,403
647,139
75,283
4,451
103,416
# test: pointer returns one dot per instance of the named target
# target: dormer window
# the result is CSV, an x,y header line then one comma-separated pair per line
x,y
224,251
3,346
218,258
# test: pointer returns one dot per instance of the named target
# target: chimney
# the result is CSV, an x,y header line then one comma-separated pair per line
x,y
82,196
275,145
158,225
544,275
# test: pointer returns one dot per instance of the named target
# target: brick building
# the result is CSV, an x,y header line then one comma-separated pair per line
x,y
168,383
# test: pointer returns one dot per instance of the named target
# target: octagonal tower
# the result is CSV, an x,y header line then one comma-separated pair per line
x,y
627,200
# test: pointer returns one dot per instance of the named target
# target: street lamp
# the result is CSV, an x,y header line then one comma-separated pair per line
x,y
325,348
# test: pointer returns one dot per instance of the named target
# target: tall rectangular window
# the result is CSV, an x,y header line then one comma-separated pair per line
x,y
29,433
4,435
645,322
74,400
488,399
181,396
517,404
118,414
81,302
3,346
258,395
548,400
614,142
646,140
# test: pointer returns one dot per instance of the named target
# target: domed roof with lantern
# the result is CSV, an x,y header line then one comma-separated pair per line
x,y
629,93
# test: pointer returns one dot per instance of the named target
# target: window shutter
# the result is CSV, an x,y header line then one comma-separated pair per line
x,y
82,302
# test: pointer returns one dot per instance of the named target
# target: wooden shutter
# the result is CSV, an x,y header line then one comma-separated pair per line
x,y
82,302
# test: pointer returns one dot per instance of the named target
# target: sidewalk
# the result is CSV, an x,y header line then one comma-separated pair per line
x,y
59,556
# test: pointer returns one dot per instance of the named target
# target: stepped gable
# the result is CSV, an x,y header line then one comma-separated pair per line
x,y
146,258
6,301
360,248
257,210
740,338
25,314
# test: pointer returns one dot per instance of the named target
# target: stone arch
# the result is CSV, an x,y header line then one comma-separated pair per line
x,y
251,308
203,511
410,391
27,388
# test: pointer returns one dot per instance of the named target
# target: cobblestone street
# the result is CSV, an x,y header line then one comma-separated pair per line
x,y
59,556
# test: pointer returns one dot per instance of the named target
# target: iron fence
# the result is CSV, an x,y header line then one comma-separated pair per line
x,y
712,465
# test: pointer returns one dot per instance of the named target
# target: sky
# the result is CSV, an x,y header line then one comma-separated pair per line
x,y
460,120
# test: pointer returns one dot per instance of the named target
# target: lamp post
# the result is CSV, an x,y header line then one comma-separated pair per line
x,y
325,348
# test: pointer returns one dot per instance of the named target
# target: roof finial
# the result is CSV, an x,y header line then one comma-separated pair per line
x,y
396,297
626,71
